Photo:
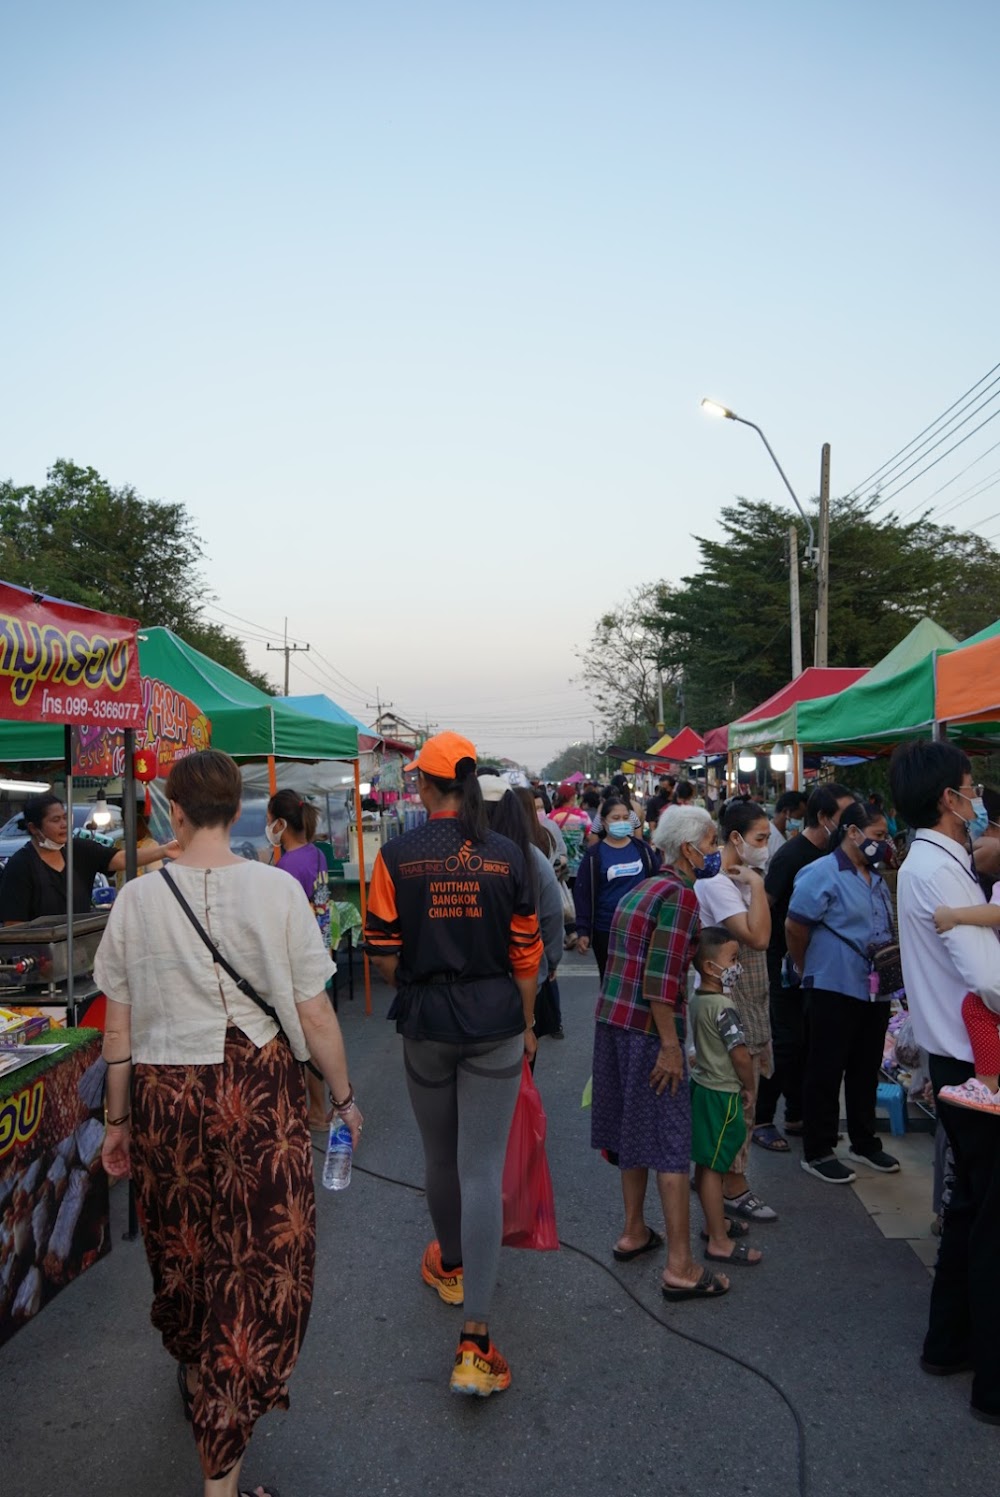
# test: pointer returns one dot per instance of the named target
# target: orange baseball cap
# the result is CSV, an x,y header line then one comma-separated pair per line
x,y
442,754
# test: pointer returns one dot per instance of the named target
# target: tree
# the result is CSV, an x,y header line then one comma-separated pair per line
x,y
622,663
80,539
727,628
576,756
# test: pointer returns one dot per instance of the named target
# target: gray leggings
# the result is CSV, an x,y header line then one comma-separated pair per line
x,y
463,1099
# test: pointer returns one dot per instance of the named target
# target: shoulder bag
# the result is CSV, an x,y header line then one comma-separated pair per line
x,y
245,987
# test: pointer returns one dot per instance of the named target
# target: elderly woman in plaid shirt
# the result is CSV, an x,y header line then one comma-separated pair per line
x,y
641,1099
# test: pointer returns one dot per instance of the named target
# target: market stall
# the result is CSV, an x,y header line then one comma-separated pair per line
x,y
53,1191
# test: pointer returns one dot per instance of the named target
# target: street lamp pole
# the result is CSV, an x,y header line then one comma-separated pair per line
x,y
713,408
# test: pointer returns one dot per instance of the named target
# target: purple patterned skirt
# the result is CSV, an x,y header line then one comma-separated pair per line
x,y
627,1117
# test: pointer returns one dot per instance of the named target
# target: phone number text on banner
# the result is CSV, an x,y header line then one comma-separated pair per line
x,y
64,664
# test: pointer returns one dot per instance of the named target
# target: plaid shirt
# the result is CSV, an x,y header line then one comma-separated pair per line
x,y
649,952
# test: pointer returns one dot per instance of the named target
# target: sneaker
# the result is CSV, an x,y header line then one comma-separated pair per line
x,y
829,1169
881,1161
750,1208
477,1372
451,1285
971,1093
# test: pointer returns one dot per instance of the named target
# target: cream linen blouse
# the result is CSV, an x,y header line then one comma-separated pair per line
x,y
152,959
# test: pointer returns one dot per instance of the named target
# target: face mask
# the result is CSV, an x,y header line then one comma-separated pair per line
x,y
976,828
730,976
47,845
870,850
273,835
711,866
793,824
619,828
753,857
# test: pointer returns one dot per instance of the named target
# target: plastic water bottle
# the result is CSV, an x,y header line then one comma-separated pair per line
x,y
337,1164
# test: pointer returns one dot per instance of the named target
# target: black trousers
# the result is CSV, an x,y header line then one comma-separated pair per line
x,y
599,942
845,1042
964,1322
788,1041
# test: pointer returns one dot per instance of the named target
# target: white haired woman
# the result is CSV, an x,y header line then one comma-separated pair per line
x,y
641,1115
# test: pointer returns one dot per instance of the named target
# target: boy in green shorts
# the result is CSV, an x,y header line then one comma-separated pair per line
x,y
721,1071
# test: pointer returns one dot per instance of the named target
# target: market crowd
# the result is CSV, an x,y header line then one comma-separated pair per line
x,y
748,963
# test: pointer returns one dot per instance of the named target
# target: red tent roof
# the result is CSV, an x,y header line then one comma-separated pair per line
x,y
687,745
815,681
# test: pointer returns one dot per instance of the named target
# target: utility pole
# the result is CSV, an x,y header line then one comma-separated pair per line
x,y
823,569
378,707
287,650
793,589
661,726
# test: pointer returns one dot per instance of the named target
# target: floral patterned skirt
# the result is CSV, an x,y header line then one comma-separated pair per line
x,y
222,1164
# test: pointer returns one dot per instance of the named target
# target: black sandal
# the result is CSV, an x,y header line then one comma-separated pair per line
x,y
739,1257
709,1286
260,1492
736,1228
187,1397
626,1255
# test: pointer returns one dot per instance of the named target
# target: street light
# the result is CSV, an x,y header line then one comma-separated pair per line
x,y
713,408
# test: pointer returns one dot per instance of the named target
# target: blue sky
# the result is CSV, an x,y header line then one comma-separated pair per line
x,y
412,304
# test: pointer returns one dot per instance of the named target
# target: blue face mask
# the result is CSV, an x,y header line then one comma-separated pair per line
x,y
793,824
980,819
711,866
618,828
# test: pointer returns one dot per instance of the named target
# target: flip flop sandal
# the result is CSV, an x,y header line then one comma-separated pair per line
x,y
739,1257
187,1397
736,1228
709,1286
625,1255
768,1137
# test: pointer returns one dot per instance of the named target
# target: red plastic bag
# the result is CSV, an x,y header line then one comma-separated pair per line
x,y
529,1208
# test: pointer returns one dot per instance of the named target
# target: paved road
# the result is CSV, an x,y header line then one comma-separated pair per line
x,y
614,1392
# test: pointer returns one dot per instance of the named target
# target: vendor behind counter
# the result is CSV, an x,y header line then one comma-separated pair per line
x,y
34,879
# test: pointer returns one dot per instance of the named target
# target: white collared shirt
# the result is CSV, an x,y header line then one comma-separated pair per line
x,y
938,971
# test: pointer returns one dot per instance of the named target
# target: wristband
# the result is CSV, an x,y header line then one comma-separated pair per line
x,y
117,1122
347,1102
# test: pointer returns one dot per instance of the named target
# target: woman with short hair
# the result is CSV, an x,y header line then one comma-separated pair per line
x,y
641,1110
215,1133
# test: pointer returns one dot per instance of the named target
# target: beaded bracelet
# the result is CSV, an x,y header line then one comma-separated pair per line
x,y
347,1102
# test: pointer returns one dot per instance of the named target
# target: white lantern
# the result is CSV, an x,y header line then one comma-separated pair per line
x,y
747,763
781,758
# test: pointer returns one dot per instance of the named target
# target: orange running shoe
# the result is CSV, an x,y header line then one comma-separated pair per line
x,y
450,1286
478,1373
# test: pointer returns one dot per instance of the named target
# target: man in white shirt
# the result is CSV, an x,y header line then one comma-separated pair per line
x,y
933,791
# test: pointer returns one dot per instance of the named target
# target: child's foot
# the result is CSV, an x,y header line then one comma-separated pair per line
x,y
973,1094
738,1254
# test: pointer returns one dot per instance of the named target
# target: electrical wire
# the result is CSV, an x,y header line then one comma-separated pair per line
x,y
666,1325
889,463
886,498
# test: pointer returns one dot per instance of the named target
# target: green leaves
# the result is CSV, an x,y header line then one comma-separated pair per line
x,y
80,539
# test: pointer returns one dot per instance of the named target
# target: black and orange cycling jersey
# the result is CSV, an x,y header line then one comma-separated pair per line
x,y
459,917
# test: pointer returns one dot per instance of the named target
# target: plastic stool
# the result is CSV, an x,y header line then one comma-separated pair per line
x,y
892,1097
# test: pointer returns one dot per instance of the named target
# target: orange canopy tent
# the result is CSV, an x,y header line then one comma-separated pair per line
x,y
967,682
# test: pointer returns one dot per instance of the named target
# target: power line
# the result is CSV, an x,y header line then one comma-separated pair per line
x,y
885,498
889,463
954,479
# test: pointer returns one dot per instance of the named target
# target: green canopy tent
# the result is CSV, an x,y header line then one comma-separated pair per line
x,y
246,722
892,701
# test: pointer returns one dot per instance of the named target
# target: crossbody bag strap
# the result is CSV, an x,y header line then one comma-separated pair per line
x,y
245,987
